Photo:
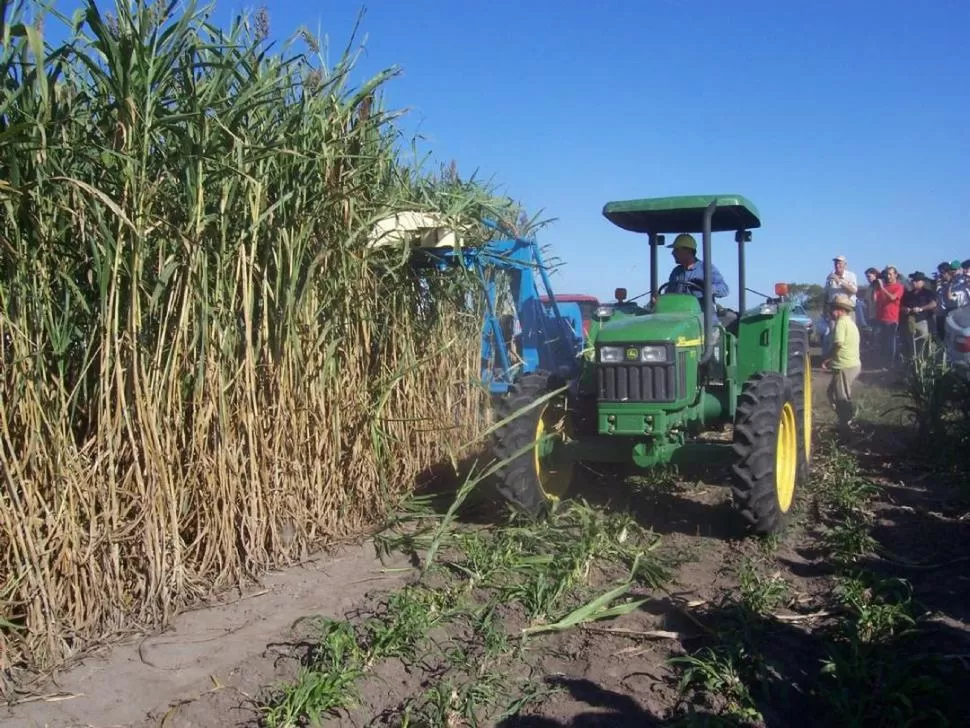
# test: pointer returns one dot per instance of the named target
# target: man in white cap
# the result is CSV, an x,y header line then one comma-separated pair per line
x,y
840,282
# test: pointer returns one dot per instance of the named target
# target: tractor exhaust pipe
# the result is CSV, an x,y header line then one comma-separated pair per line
x,y
653,264
740,237
708,289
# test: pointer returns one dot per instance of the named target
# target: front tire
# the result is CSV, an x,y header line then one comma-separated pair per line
x,y
535,477
766,435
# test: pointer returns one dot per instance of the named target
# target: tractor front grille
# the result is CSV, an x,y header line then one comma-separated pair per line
x,y
638,382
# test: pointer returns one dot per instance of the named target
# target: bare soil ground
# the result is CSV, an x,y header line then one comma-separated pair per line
x,y
858,623
201,670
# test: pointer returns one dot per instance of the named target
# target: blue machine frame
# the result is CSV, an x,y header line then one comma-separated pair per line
x,y
551,336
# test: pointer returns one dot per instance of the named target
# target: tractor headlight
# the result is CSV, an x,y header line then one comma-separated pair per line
x,y
653,354
611,354
603,312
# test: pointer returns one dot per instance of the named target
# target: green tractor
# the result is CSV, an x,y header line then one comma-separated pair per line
x,y
654,378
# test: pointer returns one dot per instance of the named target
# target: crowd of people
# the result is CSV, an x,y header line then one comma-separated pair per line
x,y
898,315
901,316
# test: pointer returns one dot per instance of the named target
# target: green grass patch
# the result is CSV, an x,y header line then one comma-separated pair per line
x,y
327,683
723,672
489,596
761,593
863,663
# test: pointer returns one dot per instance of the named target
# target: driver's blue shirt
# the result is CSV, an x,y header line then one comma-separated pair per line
x,y
680,277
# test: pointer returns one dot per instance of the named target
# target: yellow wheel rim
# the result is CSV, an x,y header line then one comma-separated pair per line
x,y
553,472
807,411
786,458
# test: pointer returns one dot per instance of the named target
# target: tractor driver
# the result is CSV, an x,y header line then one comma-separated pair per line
x,y
688,275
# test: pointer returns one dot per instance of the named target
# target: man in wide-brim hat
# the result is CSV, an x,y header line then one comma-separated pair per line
x,y
844,359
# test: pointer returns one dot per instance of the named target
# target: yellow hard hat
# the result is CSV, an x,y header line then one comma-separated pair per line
x,y
684,241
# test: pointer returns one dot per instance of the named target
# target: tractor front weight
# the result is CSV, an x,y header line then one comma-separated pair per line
x,y
634,420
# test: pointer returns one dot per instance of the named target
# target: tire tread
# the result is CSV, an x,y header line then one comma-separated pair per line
x,y
755,434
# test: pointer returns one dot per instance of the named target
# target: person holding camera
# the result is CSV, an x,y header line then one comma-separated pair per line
x,y
870,308
887,296
840,282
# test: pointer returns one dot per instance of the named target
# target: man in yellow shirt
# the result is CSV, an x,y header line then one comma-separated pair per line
x,y
844,360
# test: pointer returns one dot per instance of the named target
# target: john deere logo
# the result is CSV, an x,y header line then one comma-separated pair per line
x,y
632,354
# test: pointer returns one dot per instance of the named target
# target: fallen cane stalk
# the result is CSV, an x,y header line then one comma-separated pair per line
x,y
648,633
801,617
595,609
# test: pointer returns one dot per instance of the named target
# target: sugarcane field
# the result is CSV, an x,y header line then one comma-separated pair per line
x,y
414,365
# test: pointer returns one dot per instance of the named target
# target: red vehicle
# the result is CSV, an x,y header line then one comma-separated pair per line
x,y
587,304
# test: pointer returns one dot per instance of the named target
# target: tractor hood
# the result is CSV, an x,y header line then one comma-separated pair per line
x,y
682,329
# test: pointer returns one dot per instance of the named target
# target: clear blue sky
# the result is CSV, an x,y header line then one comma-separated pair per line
x,y
847,123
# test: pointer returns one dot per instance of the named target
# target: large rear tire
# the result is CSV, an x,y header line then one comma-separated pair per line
x,y
535,477
766,436
800,377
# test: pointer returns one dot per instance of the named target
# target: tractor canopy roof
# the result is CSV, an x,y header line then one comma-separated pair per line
x,y
683,214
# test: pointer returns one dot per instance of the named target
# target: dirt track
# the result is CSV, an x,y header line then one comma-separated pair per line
x,y
204,670
211,658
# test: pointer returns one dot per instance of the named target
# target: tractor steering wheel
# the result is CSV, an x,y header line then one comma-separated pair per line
x,y
695,284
